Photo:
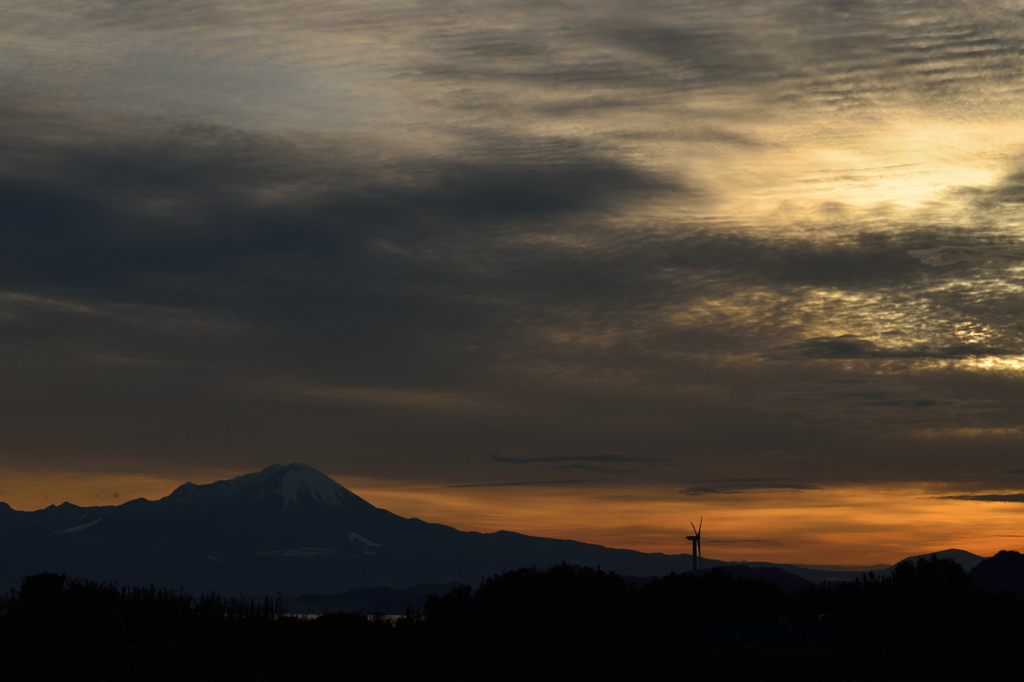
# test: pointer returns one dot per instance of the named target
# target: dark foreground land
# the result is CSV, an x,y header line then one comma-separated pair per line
x,y
926,622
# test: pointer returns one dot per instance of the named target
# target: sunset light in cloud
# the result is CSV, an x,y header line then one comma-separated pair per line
x,y
577,270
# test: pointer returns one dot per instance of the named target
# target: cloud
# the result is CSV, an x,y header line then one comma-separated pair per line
x,y
849,346
979,254
921,407
938,431
1007,193
400,279
367,397
738,486
515,484
994,497
576,461
804,53
227,210
697,231
1011,189
594,468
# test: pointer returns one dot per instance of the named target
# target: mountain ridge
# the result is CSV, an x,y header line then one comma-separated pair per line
x,y
294,529
288,528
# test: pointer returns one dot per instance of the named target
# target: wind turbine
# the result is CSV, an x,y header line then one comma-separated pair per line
x,y
695,538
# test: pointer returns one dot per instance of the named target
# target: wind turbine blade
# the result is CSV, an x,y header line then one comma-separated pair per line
x,y
701,524
698,550
693,527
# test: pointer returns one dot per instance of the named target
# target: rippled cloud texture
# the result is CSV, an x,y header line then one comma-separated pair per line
x,y
502,243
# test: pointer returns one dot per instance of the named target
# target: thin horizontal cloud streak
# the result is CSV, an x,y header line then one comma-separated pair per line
x,y
747,486
991,497
594,468
591,458
516,484
850,346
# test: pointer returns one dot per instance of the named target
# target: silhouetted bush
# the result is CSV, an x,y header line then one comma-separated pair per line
x,y
1003,572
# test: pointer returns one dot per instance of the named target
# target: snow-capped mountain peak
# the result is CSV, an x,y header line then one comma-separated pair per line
x,y
299,479
292,483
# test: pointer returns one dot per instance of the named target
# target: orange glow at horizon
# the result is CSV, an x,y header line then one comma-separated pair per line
x,y
844,525
32,490
861,525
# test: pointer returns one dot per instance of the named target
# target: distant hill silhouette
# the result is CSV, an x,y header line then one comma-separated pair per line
x,y
789,582
809,573
1002,573
967,560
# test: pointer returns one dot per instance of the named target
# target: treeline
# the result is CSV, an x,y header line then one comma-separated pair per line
x,y
48,591
89,631
925,621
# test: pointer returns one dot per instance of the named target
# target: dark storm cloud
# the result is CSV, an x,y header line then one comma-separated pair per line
x,y
736,486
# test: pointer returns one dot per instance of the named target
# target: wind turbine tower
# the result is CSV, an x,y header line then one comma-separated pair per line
x,y
695,538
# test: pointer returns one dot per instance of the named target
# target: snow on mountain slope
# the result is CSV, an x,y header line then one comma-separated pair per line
x,y
75,529
299,478
290,483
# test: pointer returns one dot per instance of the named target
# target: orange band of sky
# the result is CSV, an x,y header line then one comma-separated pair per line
x,y
843,525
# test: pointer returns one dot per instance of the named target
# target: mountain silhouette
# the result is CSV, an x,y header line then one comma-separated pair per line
x,y
295,530
966,559
286,528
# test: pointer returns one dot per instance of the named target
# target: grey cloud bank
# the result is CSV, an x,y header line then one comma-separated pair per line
x,y
390,239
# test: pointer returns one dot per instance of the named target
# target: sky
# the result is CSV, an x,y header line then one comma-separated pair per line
x,y
585,270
